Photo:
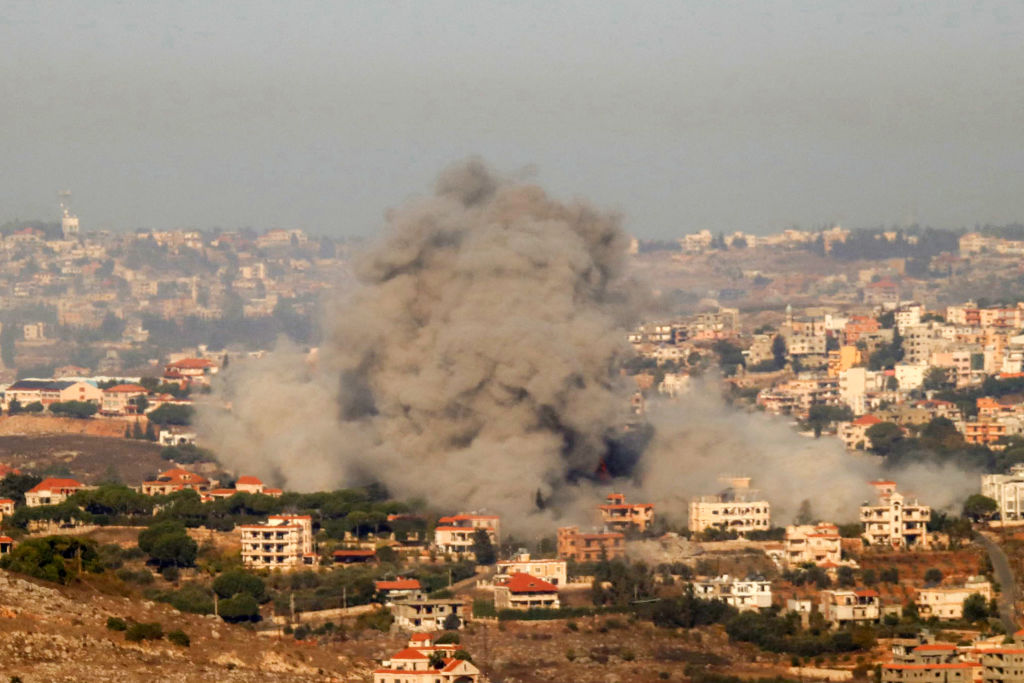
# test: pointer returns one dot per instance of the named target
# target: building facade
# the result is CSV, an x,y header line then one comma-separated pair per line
x,y
895,522
282,542
573,545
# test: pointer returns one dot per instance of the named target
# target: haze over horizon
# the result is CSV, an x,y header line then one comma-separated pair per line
x,y
683,117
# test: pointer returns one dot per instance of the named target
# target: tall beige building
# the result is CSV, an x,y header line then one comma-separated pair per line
x,y
283,542
895,522
738,508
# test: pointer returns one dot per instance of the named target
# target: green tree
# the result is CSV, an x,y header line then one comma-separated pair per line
x,y
937,379
979,507
933,576
884,436
75,409
483,549
451,623
237,582
53,558
171,414
167,543
14,407
975,608
242,607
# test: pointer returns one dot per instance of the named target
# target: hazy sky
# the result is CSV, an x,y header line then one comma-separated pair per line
x,y
681,115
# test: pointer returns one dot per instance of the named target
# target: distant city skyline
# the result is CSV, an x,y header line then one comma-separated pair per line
x,y
680,116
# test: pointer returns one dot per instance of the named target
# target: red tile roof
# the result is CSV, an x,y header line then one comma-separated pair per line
x,y
53,483
247,480
866,420
398,585
354,553
524,583
935,647
409,653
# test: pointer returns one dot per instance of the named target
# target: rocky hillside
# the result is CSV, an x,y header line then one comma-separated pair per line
x,y
55,634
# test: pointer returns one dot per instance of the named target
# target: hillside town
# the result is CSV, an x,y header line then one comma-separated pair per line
x,y
129,337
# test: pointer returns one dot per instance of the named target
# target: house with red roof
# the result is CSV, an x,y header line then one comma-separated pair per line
x,y
6,544
854,433
424,662
398,589
354,556
522,591
52,491
175,479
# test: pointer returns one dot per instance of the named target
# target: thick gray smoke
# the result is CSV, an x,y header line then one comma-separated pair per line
x,y
475,365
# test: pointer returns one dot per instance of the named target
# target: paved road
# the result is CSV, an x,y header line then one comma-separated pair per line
x,y
1004,575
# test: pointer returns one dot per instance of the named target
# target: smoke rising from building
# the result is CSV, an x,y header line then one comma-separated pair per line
x,y
475,366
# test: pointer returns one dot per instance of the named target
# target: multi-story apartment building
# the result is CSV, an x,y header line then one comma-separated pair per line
x,y
738,508
456,534
815,543
573,545
743,594
282,542
854,433
426,615
1007,490
123,399
895,522
844,606
619,515
947,602
933,663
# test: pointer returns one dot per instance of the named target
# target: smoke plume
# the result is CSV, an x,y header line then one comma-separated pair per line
x,y
475,366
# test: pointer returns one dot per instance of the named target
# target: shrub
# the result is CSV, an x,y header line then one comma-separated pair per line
x,y
239,582
116,624
179,638
380,620
144,631
448,637
167,543
142,576
170,573
242,607
53,558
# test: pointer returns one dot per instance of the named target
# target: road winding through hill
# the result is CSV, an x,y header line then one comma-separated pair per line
x,y
1004,575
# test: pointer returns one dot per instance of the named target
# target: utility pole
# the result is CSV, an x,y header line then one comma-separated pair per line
x,y
344,596
216,605
449,577
291,605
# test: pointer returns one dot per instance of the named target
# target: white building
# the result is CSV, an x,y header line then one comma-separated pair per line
x,y
551,570
456,534
843,606
1007,490
428,616
895,522
282,542
743,594
52,491
910,375
947,602
738,508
